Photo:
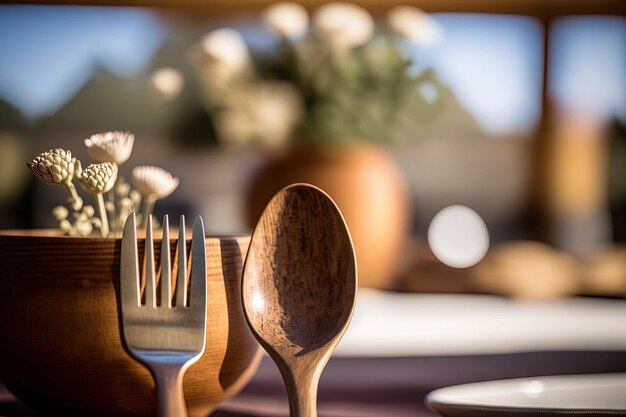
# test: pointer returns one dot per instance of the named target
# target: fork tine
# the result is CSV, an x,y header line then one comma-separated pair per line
x,y
181,277
150,293
198,266
166,265
166,340
129,264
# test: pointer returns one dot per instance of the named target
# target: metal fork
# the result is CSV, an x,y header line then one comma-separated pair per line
x,y
166,338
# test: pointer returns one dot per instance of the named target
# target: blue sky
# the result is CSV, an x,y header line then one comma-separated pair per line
x,y
493,63
47,53
589,67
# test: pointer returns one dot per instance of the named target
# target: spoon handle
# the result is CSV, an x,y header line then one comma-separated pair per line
x,y
302,391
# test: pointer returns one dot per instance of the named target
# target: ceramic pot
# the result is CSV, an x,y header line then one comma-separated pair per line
x,y
61,352
366,185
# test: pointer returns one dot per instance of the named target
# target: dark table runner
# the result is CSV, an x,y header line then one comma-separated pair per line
x,y
394,387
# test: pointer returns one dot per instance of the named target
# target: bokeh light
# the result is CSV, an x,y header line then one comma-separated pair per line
x,y
458,236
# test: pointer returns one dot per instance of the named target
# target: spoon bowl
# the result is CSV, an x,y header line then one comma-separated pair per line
x,y
299,287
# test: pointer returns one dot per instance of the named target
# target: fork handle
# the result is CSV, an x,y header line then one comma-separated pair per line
x,y
169,384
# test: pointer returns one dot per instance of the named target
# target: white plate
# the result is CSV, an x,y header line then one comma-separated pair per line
x,y
575,395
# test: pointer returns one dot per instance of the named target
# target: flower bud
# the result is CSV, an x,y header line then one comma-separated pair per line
x,y
98,178
89,211
53,167
65,226
83,228
60,213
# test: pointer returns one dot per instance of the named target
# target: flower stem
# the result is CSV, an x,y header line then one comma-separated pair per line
x,y
104,228
112,200
74,200
148,205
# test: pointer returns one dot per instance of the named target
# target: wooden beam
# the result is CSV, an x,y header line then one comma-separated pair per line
x,y
538,220
539,8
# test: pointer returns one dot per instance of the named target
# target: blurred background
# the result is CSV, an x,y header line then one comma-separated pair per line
x,y
515,110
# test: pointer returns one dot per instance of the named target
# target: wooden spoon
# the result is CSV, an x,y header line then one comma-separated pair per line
x,y
299,287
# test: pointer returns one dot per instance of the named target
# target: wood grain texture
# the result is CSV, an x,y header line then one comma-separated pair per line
x,y
299,287
60,345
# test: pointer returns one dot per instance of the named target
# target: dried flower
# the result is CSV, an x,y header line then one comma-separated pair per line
x,y
343,25
226,52
89,211
82,223
99,178
135,197
287,19
53,167
127,204
122,189
96,222
167,82
58,167
415,25
75,201
153,181
83,227
60,213
66,226
265,113
113,147
78,167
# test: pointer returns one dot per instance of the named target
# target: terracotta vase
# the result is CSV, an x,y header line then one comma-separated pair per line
x,y
366,185
61,350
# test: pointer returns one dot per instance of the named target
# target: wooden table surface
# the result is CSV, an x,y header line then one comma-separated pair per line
x,y
365,387
401,346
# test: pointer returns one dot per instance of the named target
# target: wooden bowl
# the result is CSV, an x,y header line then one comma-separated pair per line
x,y
61,350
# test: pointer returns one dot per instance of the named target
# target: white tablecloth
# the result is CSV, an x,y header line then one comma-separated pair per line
x,y
404,324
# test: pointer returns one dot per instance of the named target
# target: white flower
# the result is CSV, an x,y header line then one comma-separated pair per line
x,y
226,51
277,109
415,25
98,178
113,147
53,167
266,112
153,181
167,82
343,25
288,19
